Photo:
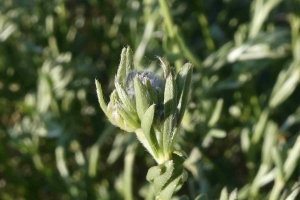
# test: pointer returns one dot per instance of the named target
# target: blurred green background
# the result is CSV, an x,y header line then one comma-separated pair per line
x,y
241,128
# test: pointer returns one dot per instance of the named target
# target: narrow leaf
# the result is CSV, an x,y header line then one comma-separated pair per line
x,y
260,126
183,82
286,89
169,189
275,155
245,139
217,133
100,97
160,181
292,159
216,114
269,142
294,194
129,169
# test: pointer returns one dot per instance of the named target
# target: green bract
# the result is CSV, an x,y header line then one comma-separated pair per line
x,y
152,107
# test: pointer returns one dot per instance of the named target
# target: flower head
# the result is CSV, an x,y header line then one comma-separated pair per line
x,y
148,104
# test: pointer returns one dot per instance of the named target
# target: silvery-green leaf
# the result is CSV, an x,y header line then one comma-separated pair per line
x,y
169,189
142,98
160,181
153,172
121,74
100,97
170,109
146,125
129,60
174,183
183,81
125,99
286,89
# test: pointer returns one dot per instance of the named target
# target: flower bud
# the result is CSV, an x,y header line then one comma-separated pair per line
x,y
148,104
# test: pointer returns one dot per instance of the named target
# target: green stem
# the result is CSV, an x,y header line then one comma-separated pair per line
x,y
95,149
205,31
186,51
167,17
173,33
261,12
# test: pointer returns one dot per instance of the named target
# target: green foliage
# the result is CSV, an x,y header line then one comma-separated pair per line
x,y
240,129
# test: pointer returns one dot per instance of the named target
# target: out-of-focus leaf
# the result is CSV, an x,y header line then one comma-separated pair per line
x,y
217,133
201,197
224,194
292,159
216,113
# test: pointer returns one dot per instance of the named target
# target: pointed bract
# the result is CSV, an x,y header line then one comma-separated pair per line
x,y
166,67
151,90
121,74
170,110
142,98
129,61
125,99
131,121
146,124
